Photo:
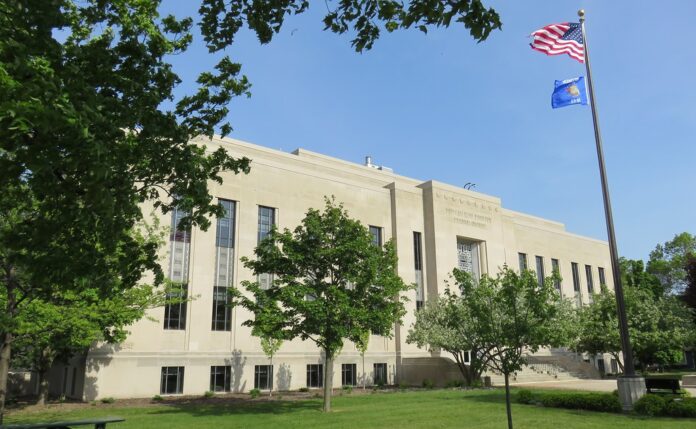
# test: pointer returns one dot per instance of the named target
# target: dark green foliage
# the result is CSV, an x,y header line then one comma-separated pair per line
x,y
108,400
604,402
254,393
659,405
668,262
366,18
525,396
428,383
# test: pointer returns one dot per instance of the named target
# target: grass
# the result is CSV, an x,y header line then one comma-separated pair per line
x,y
413,409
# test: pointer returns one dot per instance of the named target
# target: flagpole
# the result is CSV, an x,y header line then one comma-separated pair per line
x,y
629,369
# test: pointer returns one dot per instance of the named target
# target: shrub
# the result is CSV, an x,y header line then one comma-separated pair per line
x,y
454,383
681,408
255,393
380,384
303,389
651,405
403,385
605,402
108,400
428,383
525,396
157,398
208,394
348,389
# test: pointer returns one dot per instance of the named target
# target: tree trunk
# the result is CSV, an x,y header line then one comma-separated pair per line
x,y
270,391
507,400
328,380
5,344
43,388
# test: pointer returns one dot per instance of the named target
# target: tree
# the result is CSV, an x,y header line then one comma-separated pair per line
x,y
514,316
660,327
270,347
689,296
668,262
331,284
447,323
50,332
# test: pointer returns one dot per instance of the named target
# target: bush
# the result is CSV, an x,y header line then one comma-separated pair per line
x,y
255,393
604,402
651,405
208,394
403,385
108,400
303,389
157,398
348,389
681,408
428,383
525,397
454,383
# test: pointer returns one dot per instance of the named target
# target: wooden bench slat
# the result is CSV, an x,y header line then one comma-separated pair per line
x,y
98,423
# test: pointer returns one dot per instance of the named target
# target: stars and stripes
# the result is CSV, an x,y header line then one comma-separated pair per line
x,y
557,39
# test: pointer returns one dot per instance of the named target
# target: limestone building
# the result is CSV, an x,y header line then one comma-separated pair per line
x,y
200,345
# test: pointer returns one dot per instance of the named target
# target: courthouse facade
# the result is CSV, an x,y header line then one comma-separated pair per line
x,y
200,345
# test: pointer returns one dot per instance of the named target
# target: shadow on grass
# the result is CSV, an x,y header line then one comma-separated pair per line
x,y
240,408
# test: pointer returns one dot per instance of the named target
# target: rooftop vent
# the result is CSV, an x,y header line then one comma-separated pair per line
x,y
368,163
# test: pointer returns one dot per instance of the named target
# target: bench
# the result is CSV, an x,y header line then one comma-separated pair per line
x,y
98,424
663,384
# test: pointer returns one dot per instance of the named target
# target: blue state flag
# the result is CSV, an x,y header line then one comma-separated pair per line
x,y
568,92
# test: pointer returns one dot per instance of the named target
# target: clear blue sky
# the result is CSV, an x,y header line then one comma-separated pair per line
x,y
440,106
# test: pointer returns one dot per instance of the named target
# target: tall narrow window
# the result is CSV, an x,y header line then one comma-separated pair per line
x,y
576,276
557,273
263,377
380,374
588,274
172,381
266,222
224,268
468,257
376,232
523,261
540,269
180,245
315,375
220,377
348,373
418,265
602,278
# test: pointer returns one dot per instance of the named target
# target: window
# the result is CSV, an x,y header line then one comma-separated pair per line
x,y
220,377
540,269
172,380
467,356
180,244
576,276
557,272
266,222
602,278
380,374
175,308
315,375
468,257
588,274
523,261
263,377
376,235
348,374
418,266
222,311
224,267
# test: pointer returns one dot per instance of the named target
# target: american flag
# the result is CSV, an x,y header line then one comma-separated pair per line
x,y
557,39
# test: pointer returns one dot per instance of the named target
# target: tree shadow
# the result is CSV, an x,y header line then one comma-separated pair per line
x,y
237,362
284,377
239,407
92,365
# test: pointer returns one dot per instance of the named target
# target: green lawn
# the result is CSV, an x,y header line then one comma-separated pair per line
x,y
416,409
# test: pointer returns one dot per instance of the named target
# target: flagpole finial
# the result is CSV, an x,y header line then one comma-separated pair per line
x,y
581,14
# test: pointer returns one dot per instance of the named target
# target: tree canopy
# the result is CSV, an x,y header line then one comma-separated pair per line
x,y
668,262
330,284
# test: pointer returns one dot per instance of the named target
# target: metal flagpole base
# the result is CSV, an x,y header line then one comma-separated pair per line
x,y
631,388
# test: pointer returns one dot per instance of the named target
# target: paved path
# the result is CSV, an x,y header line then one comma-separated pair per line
x,y
589,385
